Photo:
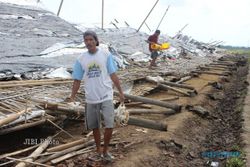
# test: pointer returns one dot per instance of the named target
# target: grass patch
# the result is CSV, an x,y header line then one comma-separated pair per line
x,y
236,161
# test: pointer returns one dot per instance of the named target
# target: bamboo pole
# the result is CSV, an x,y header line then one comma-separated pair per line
x,y
184,79
23,126
34,81
134,111
102,13
60,128
34,84
58,12
210,73
221,64
162,17
72,154
175,107
165,83
67,145
147,123
36,153
17,152
161,99
213,68
25,161
61,153
59,107
173,89
178,85
147,16
11,117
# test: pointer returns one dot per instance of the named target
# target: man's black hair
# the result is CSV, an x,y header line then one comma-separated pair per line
x,y
158,31
93,34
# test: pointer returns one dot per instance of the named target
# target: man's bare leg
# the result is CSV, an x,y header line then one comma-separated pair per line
x,y
152,63
97,137
107,137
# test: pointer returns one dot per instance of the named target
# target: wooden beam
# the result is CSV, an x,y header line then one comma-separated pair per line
x,y
147,123
175,107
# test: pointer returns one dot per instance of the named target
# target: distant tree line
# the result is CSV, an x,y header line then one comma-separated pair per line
x,y
234,47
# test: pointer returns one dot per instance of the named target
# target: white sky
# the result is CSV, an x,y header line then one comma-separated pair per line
x,y
208,20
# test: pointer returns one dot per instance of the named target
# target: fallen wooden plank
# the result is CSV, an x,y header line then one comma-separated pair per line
x,y
135,111
161,99
147,123
60,107
166,87
210,73
178,85
175,107
169,83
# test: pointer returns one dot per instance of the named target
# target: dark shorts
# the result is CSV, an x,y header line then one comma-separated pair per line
x,y
154,54
94,113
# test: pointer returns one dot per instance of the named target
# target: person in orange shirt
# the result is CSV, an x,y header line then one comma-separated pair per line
x,y
152,40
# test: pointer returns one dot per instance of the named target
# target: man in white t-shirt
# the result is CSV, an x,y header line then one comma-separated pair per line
x,y
97,68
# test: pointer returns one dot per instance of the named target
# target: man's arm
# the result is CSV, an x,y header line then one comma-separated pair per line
x,y
116,82
75,88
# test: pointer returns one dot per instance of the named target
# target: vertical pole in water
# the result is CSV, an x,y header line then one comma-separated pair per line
x,y
58,12
147,15
102,12
162,18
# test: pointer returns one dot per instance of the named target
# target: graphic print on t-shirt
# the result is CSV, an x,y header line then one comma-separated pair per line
x,y
94,70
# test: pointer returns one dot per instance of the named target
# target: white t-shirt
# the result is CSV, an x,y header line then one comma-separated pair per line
x,y
95,69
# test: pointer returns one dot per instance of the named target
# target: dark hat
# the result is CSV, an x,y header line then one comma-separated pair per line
x,y
93,34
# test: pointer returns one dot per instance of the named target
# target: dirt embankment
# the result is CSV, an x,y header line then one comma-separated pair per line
x,y
220,132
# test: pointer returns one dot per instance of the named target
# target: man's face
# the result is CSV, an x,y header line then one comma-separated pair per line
x,y
90,42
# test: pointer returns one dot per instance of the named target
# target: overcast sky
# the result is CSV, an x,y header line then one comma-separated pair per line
x,y
207,20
